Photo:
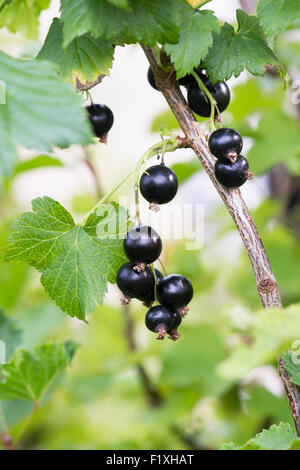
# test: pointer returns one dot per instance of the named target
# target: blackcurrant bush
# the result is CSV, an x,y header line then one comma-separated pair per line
x,y
101,119
159,319
135,284
175,291
199,102
142,245
233,175
225,144
159,184
173,333
151,79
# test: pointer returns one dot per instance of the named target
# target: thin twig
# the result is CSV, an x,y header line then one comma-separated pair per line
x,y
94,174
293,394
153,396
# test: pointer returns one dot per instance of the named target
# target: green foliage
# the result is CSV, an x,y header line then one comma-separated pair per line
x,y
22,17
9,333
185,170
76,261
276,16
41,116
282,437
277,140
147,21
271,332
292,366
84,59
40,161
195,38
233,51
27,376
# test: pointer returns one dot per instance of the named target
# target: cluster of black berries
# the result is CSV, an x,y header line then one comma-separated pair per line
x,y
142,247
231,168
137,280
101,119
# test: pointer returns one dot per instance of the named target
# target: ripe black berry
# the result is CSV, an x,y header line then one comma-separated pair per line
x,y
175,291
233,175
200,104
142,245
159,184
101,119
151,79
149,299
159,319
135,284
173,333
187,81
225,144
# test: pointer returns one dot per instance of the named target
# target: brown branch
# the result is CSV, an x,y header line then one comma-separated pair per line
x,y
293,394
265,280
153,396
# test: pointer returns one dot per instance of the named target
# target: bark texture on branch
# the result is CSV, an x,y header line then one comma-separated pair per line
x,y
265,280
293,394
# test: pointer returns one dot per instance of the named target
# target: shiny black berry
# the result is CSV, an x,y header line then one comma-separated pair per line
x,y
149,299
225,144
136,284
187,81
233,175
142,245
159,184
173,333
151,79
200,104
159,319
175,291
101,119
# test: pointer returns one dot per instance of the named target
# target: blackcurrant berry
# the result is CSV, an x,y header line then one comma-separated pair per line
x,y
233,175
175,291
225,144
135,284
142,245
199,102
173,333
151,79
159,319
187,81
149,299
159,184
101,119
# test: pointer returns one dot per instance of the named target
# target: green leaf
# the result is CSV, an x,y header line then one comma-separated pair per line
x,y
196,36
84,59
292,366
76,261
20,16
119,3
28,375
282,437
271,332
40,110
277,141
39,161
276,15
233,51
147,21
9,333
